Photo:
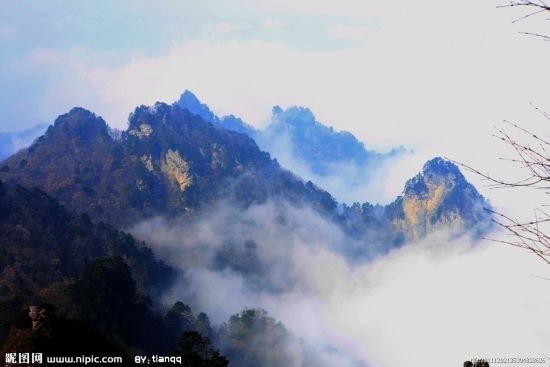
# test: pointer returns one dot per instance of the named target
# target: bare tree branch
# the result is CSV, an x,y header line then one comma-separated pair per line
x,y
533,158
543,36
538,6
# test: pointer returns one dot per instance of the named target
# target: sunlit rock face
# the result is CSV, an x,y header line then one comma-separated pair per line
x,y
438,197
143,130
177,169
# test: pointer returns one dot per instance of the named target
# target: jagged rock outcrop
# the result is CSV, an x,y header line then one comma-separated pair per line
x,y
439,198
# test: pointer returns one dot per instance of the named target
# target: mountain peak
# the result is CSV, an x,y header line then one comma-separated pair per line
x,y
189,96
441,167
190,102
296,116
82,123
145,114
441,196
77,113
320,146
436,171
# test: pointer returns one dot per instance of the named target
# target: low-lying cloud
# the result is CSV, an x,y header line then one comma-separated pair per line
x,y
431,303
346,180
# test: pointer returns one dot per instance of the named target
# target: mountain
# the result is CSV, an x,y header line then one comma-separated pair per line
x,y
11,142
188,101
90,285
335,160
170,162
319,146
439,197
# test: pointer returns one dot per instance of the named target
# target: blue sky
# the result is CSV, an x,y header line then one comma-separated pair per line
x,y
50,48
110,33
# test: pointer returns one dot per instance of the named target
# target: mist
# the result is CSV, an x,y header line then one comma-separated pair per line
x,y
428,303
348,181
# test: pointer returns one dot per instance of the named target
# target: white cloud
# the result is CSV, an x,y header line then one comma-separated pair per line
x,y
427,304
438,302
273,23
343,8
227,27
351,32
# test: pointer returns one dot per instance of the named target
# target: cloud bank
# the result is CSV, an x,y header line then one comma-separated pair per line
x,y
429,303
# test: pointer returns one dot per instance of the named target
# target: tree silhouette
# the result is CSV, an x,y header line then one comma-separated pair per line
x,y
197,351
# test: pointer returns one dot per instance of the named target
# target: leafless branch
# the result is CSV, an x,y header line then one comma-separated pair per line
x,y
532,156
541,5
543,36
538,6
